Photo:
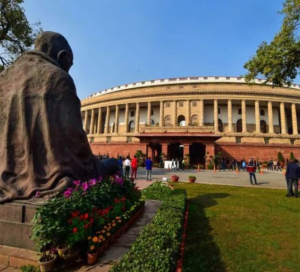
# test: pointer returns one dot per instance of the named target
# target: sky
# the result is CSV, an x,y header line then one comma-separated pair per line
x,y
116,42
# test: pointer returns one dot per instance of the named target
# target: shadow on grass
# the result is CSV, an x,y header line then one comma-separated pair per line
x,y
201,252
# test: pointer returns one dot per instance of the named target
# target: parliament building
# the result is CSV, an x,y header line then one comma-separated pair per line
x,y
199,116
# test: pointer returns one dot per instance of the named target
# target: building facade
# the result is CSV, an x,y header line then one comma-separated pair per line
x,y
199,116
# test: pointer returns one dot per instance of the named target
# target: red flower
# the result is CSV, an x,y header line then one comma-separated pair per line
x,y
123,199
86,216
75,214
75,230
92,220
86,226
70,221
117,200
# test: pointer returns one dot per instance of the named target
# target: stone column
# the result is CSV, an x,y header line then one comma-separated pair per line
x,y
257,117
161,113
137,117
188,114
294,119
175,113
86,113
92,122
99,125
229,110
282,118
107,120
201,112
117,119
126,117
216,123
244,117
149,114
270,117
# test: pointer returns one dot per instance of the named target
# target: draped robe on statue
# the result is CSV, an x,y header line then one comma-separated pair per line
x,y
43,146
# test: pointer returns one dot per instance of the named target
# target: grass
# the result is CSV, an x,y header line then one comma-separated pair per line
x,y
241,229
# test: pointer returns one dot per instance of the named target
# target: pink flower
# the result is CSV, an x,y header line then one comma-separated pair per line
x,y
92,182
37,194
76,182
119,181
68,192
85,186
100,179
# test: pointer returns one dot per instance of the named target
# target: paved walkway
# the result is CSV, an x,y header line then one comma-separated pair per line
x,y
269,179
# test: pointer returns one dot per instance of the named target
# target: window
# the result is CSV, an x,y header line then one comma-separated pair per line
x,y
239,111
167,104
181,120
152,112
238,140
262,112
131,126
195,120
219,111
239,127
263,126
194,104
132,114
180,104
292,141
168,120
267,140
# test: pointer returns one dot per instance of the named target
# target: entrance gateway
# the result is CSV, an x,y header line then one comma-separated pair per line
x,y
179,145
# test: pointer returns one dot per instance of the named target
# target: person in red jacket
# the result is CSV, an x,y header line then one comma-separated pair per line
x,y
134,164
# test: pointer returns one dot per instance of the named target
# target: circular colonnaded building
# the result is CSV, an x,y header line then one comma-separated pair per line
x,y
199,116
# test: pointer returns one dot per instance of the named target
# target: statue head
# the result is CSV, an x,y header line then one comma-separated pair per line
x,y
55,46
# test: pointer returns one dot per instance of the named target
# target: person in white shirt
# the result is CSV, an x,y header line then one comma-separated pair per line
x,y
127,167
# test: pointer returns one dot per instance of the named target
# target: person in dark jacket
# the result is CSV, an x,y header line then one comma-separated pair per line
x,y
251,170
148,168
293,175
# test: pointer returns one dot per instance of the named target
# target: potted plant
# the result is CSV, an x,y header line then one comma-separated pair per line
x,y
92,252
192,178
175,178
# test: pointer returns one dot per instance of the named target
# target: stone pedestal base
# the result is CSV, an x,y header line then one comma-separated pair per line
x,y
15,226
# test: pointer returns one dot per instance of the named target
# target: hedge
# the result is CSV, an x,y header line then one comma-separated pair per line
x,y
157,248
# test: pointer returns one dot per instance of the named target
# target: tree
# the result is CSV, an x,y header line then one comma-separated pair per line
x,y
280,157
16,34
279,61
292,158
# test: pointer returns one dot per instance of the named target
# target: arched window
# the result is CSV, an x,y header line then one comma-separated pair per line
x,y
239,111
239,127
131,126
168,120
195,120
219,111
262,112
132,114
263,126
220,125
181,120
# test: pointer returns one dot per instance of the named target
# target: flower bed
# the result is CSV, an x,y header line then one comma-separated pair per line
x,y
86,216
157,248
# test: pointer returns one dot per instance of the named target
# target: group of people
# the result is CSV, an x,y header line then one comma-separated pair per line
x,y
133,165
241,165
274,165
178,164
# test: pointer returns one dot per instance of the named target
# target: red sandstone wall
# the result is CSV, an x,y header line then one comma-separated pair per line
x,y
113,149
261,152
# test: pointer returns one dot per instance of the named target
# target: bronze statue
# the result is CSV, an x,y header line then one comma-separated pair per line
x,y
43,146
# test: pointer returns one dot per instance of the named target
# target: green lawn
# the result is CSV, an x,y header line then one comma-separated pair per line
x,y
241,229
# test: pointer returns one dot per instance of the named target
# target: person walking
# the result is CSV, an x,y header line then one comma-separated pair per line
x,y
127,167
120,163
183,164
148,169
251,170
177,164
134,165
293,175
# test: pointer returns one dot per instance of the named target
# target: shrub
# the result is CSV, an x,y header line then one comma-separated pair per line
x,y
156,249
292,158
156,191
192,177
280,157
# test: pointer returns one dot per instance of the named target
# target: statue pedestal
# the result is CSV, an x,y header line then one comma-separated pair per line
x,y
15,226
